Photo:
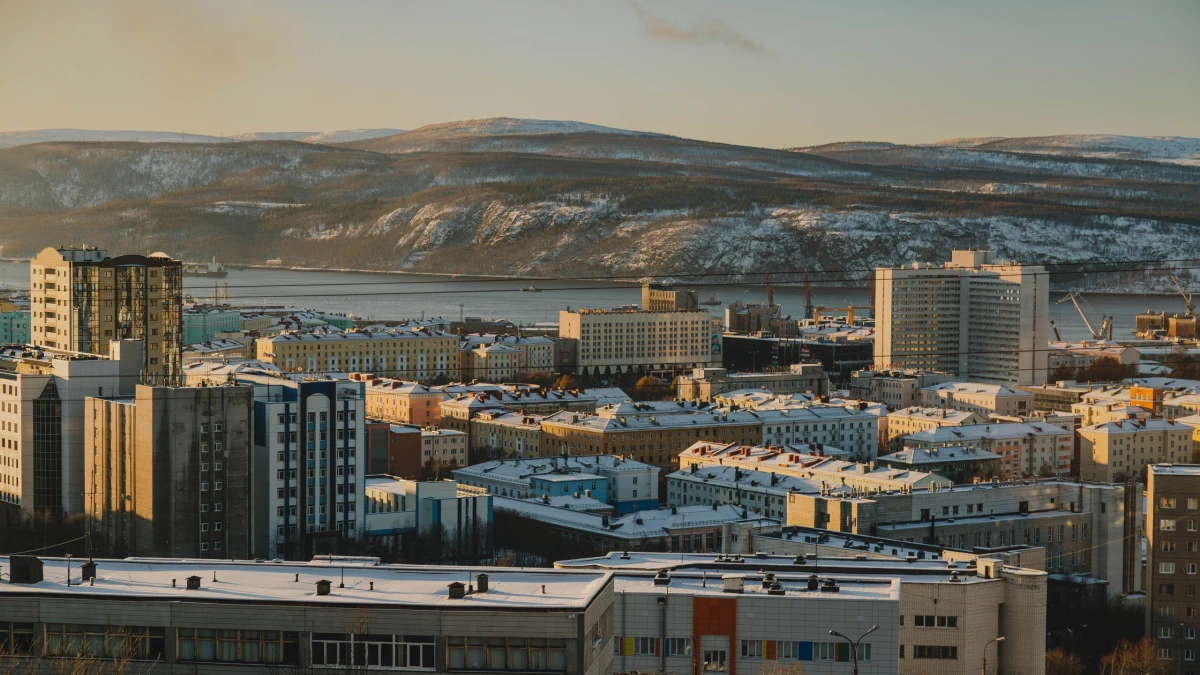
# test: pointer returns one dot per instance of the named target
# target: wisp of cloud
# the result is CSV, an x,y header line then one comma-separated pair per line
x,y
703,30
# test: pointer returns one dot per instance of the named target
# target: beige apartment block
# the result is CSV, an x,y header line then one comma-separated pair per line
x,y
416,354
625,340
979,397
911,420
1119,450
82,300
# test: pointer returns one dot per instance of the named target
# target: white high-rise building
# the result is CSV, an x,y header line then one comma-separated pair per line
x,y
976,317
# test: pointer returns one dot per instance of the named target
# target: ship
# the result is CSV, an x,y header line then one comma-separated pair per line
x,y
205,269
530,289
710,302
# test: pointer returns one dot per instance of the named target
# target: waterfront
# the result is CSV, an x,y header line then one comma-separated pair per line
x,y
393,296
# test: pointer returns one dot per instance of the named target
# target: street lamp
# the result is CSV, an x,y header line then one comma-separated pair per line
x,y
983,665
854,643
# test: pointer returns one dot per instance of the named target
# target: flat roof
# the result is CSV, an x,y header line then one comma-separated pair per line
x,y
794,586
1175,469
394,585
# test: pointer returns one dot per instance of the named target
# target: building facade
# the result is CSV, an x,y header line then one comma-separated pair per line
x,y
1121,450
82,300
975,317
705,384
416,354
1172,557
978,397
168,471
628,340
201,324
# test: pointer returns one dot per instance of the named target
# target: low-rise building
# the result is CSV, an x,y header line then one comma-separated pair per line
x,y
332,614
650,439
434,516
897,388
1027,449
1083,354
911,420
507,434
536,354
416,354
1121,450
625,484
14,323
845,427
977,397
704,384
443,446
202,323
402,402
1099,413
459,409
956,463
1056,396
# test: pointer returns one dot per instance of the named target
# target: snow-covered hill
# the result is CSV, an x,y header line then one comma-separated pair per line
x,y
510,126
12,138
348,135
1175,149
276,136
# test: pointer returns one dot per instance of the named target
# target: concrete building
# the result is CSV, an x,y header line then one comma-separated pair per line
x,y
977,397
458,525
957,464
310,462
625,484
1027,449
443,446
1172,557
82,300
975,317
491,363
628,340
210,373
402,402
650,439
1084,527
507,434
1056,396
1083,354
854,431
758,317
417,354
1121,450
14,324
944,622
458,410
704,384
42,431
911,420
1099,413
665,298
333,614
897,388
202,323
168,472
536,354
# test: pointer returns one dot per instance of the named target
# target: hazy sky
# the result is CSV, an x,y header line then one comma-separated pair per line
x,y
768,73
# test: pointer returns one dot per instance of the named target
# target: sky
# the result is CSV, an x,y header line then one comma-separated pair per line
x,y
771,73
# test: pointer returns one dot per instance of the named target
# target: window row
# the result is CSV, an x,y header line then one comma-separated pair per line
x,y
474,653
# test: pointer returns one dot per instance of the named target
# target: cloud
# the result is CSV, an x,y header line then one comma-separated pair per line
x,y
701,31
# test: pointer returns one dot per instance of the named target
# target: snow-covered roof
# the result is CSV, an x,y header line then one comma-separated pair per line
x,y
218,369
607,395
356,336
945,416
929,456
609,424
215,345
163,579
795,460
523,469
1133,426
971,432
979,388
794,587
637,525
1175,469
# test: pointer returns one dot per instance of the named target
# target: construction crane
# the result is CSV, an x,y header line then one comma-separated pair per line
x,y
1057,337
1105,332
808,306
770,291
1187,297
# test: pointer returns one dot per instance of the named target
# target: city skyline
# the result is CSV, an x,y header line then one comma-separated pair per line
x,y
771,74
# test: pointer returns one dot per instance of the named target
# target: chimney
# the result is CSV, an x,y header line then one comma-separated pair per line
x,y
458,590
481,583
323,587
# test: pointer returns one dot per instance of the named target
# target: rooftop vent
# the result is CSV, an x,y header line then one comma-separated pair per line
x,y
775,589
481,583
89,570
812,582
25,569
193,583
734,583
323,587
458,590
830,586
663,578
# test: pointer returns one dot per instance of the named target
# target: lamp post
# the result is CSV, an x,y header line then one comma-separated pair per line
x,y
854,643
983,665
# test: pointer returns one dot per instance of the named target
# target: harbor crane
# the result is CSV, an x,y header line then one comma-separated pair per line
x,y
1187,297
1106,322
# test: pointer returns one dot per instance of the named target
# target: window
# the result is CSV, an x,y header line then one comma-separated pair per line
x,y
16,638
331,650
1166,503
477,653
934,652
1166,568
752,649
1166,524
680,646
714,659
1189,633
1191,568
136,642
1189,655
1167,547
1165,632
244,646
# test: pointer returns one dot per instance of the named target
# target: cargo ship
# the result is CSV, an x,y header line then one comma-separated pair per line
x,y
212,269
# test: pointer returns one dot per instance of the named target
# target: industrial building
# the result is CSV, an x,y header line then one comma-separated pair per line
x,y
975,317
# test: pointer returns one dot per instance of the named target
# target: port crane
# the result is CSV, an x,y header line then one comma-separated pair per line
x,y
1187,297
1106,322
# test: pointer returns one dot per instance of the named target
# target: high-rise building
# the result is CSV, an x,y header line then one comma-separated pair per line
x,y
310,448
42,429
976,317
167,471
82,299
1172,517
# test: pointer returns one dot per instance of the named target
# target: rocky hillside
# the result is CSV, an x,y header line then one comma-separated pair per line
x,y
521,197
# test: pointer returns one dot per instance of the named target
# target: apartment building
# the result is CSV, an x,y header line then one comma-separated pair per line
x,y
625,484
333,614
14,324
911,420
935,618
536,353
956,463
854,431
705,384
658,297
310,438
82,300
1056,396
1121,450
416,354
1083,354
651,439
458,410
42,431
978,397
509,434
402,402
203,323
975,317
443,446
168,471
897,388
624,340
1027,448
1172,557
